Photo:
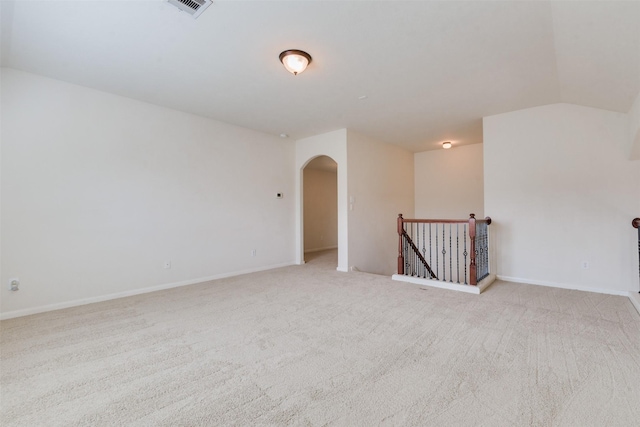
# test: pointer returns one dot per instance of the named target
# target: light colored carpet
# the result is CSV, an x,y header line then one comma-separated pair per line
x,y
307,345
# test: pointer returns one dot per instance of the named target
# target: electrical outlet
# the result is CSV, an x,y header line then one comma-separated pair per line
x,y
167,265
253,252
585,265
14,284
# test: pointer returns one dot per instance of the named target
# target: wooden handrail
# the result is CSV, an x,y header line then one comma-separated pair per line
x,y
445,221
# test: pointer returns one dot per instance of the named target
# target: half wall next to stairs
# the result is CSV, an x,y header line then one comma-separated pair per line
x,y
562,191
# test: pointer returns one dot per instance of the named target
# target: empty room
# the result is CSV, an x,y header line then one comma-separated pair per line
x,y
319,213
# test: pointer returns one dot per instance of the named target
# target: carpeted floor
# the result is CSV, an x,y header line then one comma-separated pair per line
x,y
307,345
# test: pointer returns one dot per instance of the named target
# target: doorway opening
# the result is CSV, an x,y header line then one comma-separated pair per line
x,y
320,211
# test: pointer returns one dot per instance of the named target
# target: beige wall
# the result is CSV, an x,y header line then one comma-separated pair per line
x,y
562,191
98,191
449,183
380,187
634,130
320,209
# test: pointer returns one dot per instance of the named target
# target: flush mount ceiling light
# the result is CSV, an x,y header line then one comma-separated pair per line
x,y
446,145
295,61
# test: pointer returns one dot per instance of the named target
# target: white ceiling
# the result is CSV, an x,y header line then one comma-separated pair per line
x,y
430,70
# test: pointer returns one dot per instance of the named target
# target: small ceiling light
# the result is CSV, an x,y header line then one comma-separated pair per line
x,y
446,145
295,61
284,135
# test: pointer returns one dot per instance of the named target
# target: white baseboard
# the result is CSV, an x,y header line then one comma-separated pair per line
x,y
326,248
564,286
635,300
484,284
91,300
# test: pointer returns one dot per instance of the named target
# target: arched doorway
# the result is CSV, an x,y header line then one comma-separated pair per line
x,y
320,210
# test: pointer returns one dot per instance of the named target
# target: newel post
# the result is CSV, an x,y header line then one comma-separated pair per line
x,y
400,257
473,278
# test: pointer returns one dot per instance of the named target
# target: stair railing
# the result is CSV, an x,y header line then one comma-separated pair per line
x,y
448,250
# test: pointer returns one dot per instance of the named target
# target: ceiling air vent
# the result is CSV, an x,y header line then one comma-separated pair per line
x,y
192,7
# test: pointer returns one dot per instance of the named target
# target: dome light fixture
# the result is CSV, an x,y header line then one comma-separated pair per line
x,y
295,61
446,145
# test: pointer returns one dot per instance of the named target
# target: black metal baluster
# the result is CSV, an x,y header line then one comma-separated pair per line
x,y
458,253
430,260
405,255
481,253
482,228
417,243
416,254
444,252
422,267
415,257
437,265
450,262
476,252
424,250
486,249
483,249
413,254
407,259
413,261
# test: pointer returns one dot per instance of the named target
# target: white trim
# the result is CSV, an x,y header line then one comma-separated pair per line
x,y
564,286
344,270
635,300
306,251
484,283
91,300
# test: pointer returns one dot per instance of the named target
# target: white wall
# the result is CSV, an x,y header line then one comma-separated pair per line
x,y
334,145
381,185
634,130
561,190
99,190
449,183
320,209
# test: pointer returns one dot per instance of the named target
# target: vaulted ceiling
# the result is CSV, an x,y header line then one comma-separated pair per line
x,y
429,70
